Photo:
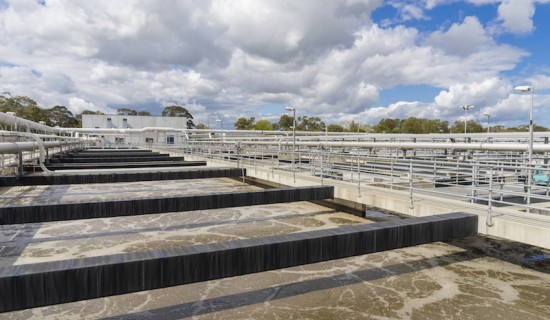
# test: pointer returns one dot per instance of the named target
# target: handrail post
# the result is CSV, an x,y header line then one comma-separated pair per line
x,y
411,203
490,199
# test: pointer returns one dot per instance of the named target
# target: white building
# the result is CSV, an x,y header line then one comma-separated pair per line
x,y
117,121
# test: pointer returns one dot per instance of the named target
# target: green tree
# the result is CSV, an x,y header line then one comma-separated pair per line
x,y
411,125
126,111
388,126
286,122
355,127
335,128
244,124
179,111
310,124
34,113
435,126
201,126
263,125
23,107
61,116
144,113
472,126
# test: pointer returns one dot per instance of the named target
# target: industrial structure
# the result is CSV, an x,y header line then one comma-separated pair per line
x,y
122,122
84,216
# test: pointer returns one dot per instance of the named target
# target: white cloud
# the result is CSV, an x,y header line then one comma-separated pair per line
x,y
229,58
517,15
480,94
462,39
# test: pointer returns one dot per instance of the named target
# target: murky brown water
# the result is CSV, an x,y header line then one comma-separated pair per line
x,y
473,278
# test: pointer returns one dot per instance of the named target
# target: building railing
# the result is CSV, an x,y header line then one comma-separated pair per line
x,y
496,180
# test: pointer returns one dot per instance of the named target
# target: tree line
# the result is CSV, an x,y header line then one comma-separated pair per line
x,y
304,123
390,125
27,108
58,115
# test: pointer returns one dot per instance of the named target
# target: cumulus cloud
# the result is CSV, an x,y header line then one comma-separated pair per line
x,y
229,58
462,39
517,15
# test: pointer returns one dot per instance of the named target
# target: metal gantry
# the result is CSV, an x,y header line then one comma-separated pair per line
x,y
486,169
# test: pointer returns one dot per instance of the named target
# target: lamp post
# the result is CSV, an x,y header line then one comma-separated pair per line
x,y
488,115
293,139
530,89
466,108
221,137
293,126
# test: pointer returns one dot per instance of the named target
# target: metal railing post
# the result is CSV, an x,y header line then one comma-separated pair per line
x,y
358,174
490,199
20,163
322,168
529,186
474,183
391,174
411,203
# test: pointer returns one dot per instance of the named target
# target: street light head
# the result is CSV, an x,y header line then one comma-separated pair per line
x,y
290,109
467,107
523,89
486,114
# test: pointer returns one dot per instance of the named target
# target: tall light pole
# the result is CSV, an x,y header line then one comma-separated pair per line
x,y
530,89
466,108
293,126
488,115
221,137
293,139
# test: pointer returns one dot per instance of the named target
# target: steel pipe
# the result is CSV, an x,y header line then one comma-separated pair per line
x,y
20,122
480,146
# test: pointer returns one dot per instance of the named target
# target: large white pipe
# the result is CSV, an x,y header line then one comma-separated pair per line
x,y
404,145
24,123
15,147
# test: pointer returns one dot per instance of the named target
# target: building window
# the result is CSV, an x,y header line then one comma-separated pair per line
x,y
149,140
169,139
119,140
125,123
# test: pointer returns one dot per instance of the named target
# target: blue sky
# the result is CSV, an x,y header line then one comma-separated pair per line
x,y
346,60
535,42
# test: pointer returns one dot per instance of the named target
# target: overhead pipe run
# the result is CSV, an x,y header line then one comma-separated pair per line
x,y
17,147
24,123
405,145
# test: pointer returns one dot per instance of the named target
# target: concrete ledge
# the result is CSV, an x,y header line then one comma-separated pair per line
x,y
89,210
28,286
112,177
